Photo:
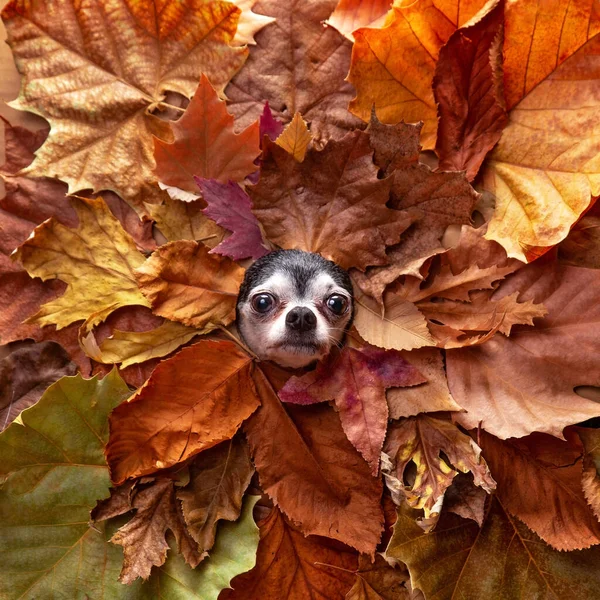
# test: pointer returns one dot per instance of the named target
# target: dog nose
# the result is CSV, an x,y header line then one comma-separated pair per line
x,y
301,319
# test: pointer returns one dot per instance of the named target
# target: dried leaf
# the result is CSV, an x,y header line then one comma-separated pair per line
x,y
356,380
184,282
591,467
96,261
269,125
333,492
295,138
514,386
229,206
250,23
218,479
539,481
96,73
290,566
349,15
297,66
465,499
205,144
581,248
379,581
166,422
422,440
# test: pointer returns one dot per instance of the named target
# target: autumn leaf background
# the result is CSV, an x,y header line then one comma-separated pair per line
x,y
446,153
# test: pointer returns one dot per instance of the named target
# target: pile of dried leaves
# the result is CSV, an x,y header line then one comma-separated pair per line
x,y
439,454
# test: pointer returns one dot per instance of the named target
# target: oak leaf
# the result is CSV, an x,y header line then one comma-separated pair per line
x,y
590,439
338,211
333,492
184,282
295,138
379,581
539,481
298,65
230,207
422,440
356,381
514,386
205,144
290,566
122,59
393,66
218,479
96,260
166,422
349,15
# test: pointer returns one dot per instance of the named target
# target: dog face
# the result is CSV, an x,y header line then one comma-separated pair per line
x,y
293,307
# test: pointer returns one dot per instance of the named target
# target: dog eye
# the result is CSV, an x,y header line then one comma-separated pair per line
x,y
337,304
262,303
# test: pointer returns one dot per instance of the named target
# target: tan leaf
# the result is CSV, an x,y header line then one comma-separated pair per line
x,y
218,479
96,260
349,15
95,72
295,138
250,23
185,283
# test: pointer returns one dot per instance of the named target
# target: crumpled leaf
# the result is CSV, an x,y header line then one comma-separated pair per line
x,y
218,479
422,440
297,66
295,138
581,248
184,282
545,168
502,560
393,66
349,15
205,144
53,473
590,438
96,260
465,499
97,72
338,210
290,566
311,471
229,206
379,581
26,373
166,422
468,90
250,23
356,380
515,386
539,481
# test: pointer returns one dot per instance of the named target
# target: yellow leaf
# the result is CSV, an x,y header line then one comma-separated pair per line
x,y
295,138
96,260
96,71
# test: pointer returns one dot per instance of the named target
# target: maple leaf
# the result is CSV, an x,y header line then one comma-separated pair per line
x,y
467,87
184,282
356,380
205,144
539,481
297,66
107,111
229,206
379,581
294,573
96,260
339,211
422,440
295,138
514,386
333,493
544,170
349,15
393,66
447,562
166,422
218,479
26,372
590,439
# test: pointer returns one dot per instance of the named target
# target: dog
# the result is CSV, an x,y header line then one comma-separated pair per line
x,y
294,307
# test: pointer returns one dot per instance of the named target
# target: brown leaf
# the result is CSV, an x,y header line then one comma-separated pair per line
x,y
468,90
311,64
311,471
539,481
166,422
379,581
290,566
19,145
581,248
218,479
465,499
185,283
205,144
26,372
439,450
514,386
591,467
118,503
